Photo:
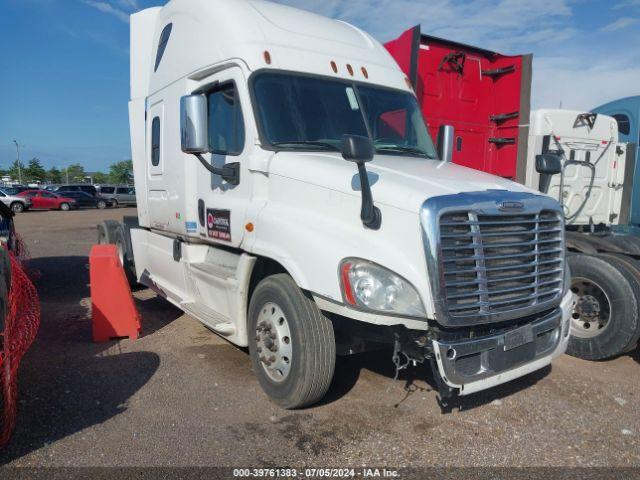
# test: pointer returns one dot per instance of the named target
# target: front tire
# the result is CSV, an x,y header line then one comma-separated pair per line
x,y
101,205
64,207
17,207
288,332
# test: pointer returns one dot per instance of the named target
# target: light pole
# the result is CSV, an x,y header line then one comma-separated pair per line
x,y
18,158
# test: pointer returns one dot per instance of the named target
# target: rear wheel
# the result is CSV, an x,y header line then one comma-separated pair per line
x,y
606,315
101,204
292,344
114,203
64,206
17,207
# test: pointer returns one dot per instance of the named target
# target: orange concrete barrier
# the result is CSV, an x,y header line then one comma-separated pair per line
x,y
113,311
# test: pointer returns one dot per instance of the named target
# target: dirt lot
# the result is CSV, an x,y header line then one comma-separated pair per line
x,y
181,396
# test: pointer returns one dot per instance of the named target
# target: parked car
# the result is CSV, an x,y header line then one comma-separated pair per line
x,y
43,200
83,199
90,189
17,204
120,194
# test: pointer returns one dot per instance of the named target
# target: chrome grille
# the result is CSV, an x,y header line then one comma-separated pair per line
x,y
497,263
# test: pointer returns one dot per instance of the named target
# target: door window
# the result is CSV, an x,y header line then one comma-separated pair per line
x,y
123,191
155,142
226,125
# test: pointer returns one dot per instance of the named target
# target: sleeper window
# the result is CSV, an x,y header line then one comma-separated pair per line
x,y
162,45
155,142
624,126
226,125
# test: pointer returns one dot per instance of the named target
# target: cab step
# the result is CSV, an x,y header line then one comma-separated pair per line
x,y
217,322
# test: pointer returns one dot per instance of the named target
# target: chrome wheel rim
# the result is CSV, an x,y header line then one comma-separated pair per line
x,y
273,342
592,309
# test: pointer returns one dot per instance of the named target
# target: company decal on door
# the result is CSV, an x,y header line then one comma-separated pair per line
x,y
219,224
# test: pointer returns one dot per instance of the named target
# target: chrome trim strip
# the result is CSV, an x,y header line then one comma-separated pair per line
x,y
487,203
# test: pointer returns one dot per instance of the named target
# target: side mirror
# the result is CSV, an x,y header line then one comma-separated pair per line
x,y
193,124
445,142
356,148
194,136
360,150
547,165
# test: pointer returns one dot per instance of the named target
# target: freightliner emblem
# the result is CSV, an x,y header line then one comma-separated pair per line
x,y
510,206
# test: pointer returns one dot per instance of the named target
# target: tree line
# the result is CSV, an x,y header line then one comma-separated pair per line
x,y
34,172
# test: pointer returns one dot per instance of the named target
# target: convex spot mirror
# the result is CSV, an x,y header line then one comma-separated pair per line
x,y
548,163
356,148
445,142
194,127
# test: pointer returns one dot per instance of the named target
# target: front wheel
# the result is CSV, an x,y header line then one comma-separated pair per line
x,y
102,205
17,207
64,207
292,344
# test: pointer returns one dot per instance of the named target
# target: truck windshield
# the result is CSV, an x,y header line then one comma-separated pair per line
x,y
297,112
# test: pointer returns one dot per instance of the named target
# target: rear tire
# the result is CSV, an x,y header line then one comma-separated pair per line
x,y
114,203
101,205
64,207
17,207
306,336
129,269
605,319
634,266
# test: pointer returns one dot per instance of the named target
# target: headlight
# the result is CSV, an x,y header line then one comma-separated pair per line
x,y
370,286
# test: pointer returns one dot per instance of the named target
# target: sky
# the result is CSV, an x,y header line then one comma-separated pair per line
x,y
64,64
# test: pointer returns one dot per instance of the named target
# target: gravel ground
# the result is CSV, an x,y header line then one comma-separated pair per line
x,y
181,396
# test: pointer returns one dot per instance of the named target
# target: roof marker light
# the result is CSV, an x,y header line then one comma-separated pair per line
x,y
350,69
334,67
365,73
267,57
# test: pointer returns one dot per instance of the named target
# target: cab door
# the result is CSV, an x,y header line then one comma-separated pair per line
x,y
223,206
48,200
157,179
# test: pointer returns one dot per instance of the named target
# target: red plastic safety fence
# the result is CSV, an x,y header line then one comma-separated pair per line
x,y
21,326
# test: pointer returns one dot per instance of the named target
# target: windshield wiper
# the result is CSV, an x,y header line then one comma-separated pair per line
x,y
405,149
313,143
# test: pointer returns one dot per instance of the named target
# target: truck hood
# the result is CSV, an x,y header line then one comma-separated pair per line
x,y
399,181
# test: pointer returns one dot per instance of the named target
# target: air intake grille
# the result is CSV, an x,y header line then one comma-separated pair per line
x,y
494,264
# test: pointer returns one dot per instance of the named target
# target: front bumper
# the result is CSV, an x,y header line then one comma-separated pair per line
x,y
477,364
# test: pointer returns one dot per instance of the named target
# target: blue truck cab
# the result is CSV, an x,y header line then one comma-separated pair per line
x,y
626,111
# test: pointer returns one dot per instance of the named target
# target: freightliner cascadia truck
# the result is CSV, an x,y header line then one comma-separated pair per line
x,y
574,156
291,199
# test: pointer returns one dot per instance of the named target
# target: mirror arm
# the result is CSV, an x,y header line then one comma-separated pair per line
x,y
230,172
370,214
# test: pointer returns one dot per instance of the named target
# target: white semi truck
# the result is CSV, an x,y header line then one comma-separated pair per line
x,y
290,199
592,176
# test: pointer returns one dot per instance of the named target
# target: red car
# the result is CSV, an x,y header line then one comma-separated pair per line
x,y
44,200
